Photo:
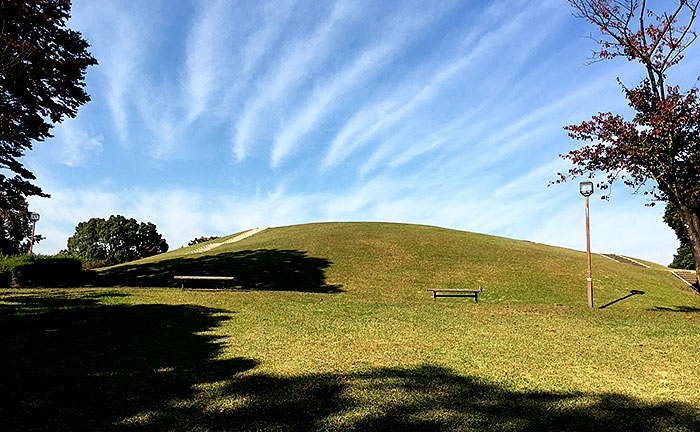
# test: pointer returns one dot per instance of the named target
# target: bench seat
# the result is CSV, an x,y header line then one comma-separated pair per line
x,y
214,278
456,292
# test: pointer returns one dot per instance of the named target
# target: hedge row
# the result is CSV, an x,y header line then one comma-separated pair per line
x,y
40,271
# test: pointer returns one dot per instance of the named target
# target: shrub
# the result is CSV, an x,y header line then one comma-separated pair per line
x,y
38,270
199,240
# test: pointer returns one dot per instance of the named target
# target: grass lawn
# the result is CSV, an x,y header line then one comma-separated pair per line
x,y
162,359
334,331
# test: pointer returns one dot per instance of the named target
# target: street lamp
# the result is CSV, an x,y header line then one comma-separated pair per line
x,y
34,217
586,189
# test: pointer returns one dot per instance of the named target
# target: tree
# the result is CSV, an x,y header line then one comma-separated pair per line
x,y
202,239
42,70
15,226
115,240
658,151
683,259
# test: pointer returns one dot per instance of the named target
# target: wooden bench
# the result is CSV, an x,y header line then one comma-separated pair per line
x,y
456,292
216,278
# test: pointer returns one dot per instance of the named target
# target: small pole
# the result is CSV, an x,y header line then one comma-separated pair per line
x,y
34,217
586,189
589,280
31,242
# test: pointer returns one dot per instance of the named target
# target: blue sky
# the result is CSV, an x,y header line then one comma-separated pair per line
x,y
211,117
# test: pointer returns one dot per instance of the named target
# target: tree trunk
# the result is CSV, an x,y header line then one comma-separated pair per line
x,y
691,220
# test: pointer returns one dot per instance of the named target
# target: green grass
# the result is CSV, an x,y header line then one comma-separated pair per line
x,y
166,359
398,262
336,332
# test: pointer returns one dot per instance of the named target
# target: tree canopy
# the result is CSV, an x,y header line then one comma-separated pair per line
x,y
42,71
14,221
115,240
202,239
658,151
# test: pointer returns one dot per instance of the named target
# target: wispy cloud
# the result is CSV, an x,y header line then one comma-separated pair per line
x,y
304,120
205,46
220,58
377,117
276,13
421,143
534,180
77,145
408,143
292,68
359,71
121,62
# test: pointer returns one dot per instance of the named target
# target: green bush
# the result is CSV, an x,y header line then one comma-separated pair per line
x,y
38,270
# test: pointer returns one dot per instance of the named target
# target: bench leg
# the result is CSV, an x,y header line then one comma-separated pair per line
x,y
435,296
476,297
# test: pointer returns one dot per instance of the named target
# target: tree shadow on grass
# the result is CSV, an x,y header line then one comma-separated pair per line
x,y
68,365
75,364
262,269
685,309
434,398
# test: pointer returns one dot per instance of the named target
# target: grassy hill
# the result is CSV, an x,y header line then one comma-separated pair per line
x,y
335,331
397,262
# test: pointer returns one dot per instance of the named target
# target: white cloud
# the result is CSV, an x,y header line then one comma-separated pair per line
x,y
276,13
362,68
534,213
318,102
220,59
478,46
121,66
292,68
623,228
533,180
118,36
75,143
204,58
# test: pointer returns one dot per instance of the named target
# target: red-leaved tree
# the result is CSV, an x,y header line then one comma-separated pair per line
x,y
658,151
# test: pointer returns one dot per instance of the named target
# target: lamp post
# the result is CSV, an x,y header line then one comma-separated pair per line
x,y
34,217
586,189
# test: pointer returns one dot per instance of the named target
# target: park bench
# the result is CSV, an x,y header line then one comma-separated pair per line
x,y
203,278
456,292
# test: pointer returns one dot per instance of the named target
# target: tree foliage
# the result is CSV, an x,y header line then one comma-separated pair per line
x,y
683,259
15,226
658,151
202,239
42,70
115,240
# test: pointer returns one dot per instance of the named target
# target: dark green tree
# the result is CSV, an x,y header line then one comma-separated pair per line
x,y
202,239
15,226
42,71
683,259
115,240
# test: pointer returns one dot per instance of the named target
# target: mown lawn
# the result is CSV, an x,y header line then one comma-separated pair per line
x,y
168,359
330,327
398,262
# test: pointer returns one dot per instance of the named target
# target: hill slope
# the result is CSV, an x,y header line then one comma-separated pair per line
x,y
397,262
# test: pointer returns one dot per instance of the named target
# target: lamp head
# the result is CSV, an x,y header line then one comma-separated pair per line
x,y
586,188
